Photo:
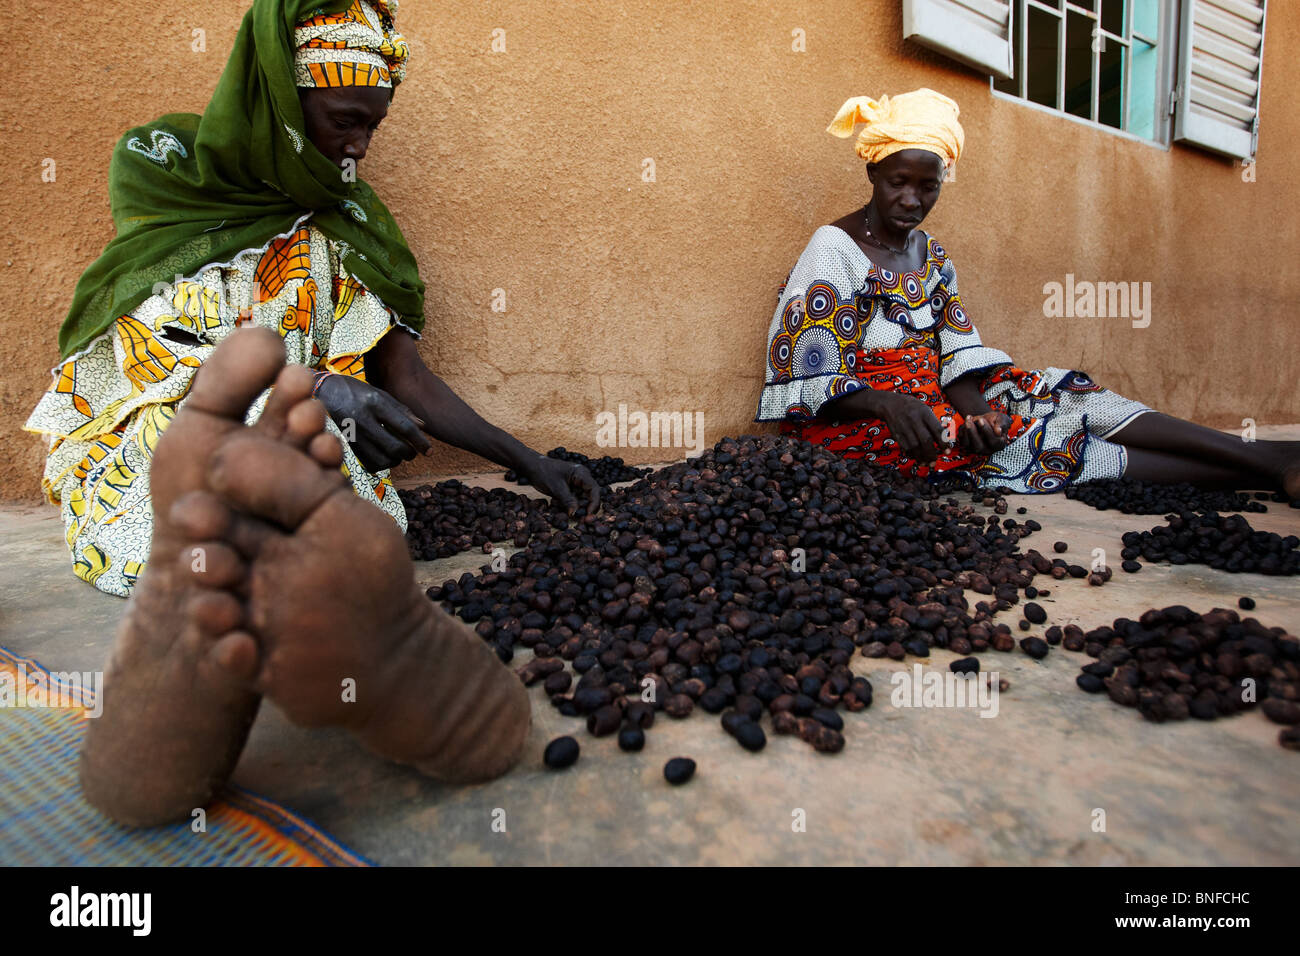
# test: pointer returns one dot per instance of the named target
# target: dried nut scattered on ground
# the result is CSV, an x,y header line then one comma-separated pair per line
x,y
1174,663
1223,542
679,770
742,582
1132,497
755,572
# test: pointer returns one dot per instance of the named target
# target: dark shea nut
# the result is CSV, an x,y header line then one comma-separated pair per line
x,y
679,706
714,700
679,770
1203,708
1035,613
590,699
1122,694
750,736
1035,647
604,721
732,721
639,713
631,739
1281,711
784,722
967,665
802,705
828,718
560,753
558,683
784,702
1090,683
828,741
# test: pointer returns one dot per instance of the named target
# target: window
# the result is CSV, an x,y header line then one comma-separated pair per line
x,y
1126,65
1104,61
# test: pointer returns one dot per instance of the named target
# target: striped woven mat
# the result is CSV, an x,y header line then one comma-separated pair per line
x,y
44,821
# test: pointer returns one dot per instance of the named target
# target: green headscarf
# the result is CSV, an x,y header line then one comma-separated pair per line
x,y
190,191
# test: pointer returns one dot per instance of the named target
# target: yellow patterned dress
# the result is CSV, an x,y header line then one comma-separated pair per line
x,y
109,404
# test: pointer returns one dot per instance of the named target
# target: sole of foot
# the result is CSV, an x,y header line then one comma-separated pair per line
x,y
177,702
341,633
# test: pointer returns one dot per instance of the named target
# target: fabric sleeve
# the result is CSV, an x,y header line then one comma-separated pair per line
x,y
814,328
961,351
360,320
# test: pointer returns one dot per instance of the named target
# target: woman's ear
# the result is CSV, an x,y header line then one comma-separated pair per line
x,y
871,172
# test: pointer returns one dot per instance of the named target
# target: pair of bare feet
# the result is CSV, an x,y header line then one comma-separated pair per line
x,y
267,576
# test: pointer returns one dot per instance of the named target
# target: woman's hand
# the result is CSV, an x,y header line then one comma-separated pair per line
x,y
913,425
381,430
985,434
555,478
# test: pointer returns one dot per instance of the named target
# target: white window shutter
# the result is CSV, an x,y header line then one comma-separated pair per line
x,y
974,32
1220,51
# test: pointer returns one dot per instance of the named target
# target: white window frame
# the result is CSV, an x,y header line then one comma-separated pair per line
x,y
1166,44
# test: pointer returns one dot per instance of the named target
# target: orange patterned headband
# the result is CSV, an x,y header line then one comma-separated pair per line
x,y
358,47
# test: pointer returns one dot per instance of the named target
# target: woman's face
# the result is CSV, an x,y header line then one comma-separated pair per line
x,y
906,186
341,120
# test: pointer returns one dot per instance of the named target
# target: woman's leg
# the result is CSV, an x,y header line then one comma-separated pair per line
x,y
1164,468
1206,453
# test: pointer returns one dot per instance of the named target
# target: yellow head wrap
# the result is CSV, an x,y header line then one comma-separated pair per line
x,y
358,47
921,119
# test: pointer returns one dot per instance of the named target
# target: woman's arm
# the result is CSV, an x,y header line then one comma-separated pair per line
x,y
965,361
911,422
966,397
395,366
984,431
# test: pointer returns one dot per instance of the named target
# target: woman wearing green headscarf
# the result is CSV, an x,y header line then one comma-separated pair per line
x,y
253,214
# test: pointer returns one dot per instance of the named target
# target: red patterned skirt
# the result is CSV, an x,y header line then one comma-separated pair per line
x,y
909,371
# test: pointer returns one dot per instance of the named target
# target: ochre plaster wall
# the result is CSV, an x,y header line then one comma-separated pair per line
x,y
522,171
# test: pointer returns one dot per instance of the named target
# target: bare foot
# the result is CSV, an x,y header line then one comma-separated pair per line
x,y
177,700
343,635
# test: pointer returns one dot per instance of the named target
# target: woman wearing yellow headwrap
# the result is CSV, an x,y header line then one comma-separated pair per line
x,y
871,352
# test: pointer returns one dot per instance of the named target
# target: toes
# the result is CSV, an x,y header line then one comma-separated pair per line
x,y
304,422
270,480
215,612
326,450
214,564
293,386
236,653
238,371
203,517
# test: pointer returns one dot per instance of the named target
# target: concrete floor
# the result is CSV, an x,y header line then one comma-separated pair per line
x,y
912,786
